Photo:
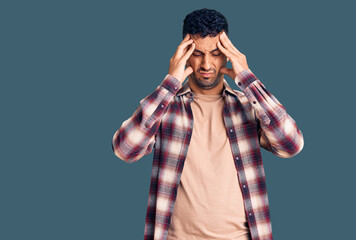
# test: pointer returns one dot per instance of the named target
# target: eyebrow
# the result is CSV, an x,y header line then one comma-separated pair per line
x,y
195,50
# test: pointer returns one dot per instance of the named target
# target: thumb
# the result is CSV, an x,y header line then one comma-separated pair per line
x,y
227,71
187,72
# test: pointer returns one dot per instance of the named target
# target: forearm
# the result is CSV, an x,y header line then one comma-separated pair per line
x,y
280,133
136,136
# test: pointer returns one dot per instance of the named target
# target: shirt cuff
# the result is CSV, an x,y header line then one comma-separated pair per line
x,y
171,83
245,78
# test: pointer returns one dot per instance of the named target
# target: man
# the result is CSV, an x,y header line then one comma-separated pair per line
x,y
215,132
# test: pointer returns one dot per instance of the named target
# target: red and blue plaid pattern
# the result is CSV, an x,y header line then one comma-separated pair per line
x,y
164,122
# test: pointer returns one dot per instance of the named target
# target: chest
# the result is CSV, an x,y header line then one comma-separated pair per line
x,y
182,117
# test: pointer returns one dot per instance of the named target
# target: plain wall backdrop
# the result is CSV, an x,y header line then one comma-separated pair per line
x,y
72,71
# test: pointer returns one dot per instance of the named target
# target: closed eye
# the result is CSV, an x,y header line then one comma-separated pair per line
x,y
198,54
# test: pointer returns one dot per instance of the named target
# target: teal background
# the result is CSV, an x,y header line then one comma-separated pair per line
x,y
73,71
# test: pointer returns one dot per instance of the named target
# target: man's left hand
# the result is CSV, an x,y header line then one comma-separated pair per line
x,y
238,60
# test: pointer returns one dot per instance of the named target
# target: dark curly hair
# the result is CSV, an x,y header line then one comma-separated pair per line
x,y
205,22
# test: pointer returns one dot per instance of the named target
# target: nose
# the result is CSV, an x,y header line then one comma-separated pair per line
x,y
206,63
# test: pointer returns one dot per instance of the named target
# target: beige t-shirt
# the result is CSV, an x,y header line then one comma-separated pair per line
x,y
209,203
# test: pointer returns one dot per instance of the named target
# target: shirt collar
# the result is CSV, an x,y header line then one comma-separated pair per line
x,y
186,89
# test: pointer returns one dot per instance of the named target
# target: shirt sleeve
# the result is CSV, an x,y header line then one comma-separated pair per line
x,y
136,136
277,130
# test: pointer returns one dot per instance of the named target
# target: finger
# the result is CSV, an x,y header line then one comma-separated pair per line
x,y
226,42
188,71
227,48
224,50
189,52
183,43
186,38
227,71
182,49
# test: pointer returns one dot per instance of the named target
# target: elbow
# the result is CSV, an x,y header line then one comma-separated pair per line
x,y
132,145
291,149
121,156
117,147
286,154
128,158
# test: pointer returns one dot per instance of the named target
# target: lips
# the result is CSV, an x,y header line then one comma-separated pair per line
x,y
206,74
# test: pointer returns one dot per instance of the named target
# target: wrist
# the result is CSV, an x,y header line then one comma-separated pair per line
x,y
244,78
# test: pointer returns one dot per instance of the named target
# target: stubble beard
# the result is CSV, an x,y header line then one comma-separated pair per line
x,y
206,83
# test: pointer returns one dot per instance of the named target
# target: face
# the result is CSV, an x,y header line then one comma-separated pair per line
x,y
206,58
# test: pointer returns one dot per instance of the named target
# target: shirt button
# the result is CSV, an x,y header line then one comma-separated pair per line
x,y
244,186
250,214
237,158
254,102
175,88
162,105
231,130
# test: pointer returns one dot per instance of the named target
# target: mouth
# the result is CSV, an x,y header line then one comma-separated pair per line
x,y
206,74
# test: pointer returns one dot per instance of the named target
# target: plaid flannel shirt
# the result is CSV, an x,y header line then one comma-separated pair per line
x,y
163,121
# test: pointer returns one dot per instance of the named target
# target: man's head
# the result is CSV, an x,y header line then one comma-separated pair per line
x,y
204,26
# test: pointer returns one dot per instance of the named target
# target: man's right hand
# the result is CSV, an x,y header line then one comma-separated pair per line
x,y
179,59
